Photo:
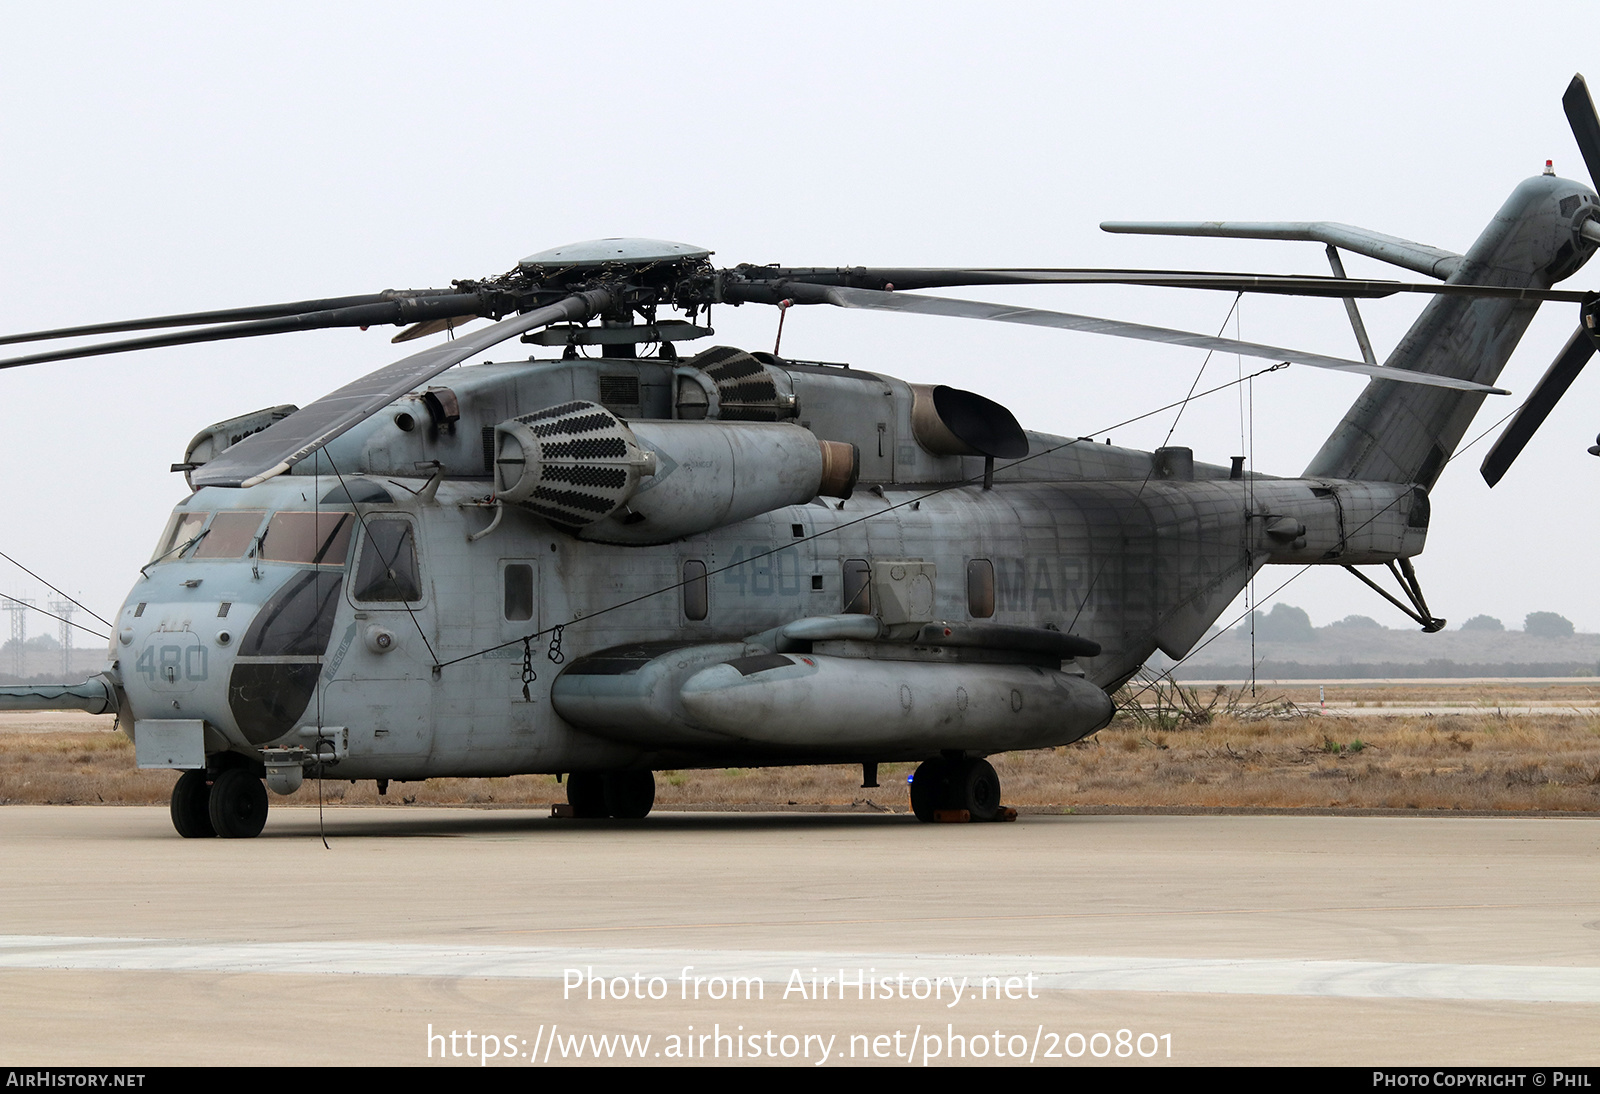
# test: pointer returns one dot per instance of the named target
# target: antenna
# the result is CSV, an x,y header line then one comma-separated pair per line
x,y
64,609
18,608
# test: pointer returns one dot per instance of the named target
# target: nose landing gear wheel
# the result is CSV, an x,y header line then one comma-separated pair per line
x,y
191,806
238,804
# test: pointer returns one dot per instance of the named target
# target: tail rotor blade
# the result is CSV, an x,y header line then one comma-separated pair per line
x,y
1585,123
1552,385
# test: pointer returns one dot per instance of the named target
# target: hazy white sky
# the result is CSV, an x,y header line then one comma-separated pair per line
x,y
172,157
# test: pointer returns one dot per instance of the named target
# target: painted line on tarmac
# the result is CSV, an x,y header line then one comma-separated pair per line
x,y
1338,979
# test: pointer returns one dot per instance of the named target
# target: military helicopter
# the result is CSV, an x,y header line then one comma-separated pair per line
x,y
603,566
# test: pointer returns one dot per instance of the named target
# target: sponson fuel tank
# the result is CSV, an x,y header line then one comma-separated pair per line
x,y
845,697
790,701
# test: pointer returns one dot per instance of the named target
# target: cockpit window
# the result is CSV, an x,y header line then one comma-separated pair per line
x,y
356,490
298,620
388,569
182,528
230,534
322,538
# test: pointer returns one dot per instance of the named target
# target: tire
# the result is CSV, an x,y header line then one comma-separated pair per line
x,y
238,804
191,806
977,789
586,793
930,787
630,794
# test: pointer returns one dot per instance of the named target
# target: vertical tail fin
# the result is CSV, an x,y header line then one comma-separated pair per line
x,y
1405,432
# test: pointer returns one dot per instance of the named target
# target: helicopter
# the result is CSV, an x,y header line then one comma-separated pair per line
x,y
604,566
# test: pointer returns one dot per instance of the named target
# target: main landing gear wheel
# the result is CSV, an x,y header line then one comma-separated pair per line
x,y
626,795
977,789
630,794
930,787
238,804
942,784
586,793
191,806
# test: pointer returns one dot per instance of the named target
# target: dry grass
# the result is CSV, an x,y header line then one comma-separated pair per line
x,y
1465,694
67,767
1469,761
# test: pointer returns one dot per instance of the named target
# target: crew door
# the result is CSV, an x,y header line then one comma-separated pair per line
x,y
384,687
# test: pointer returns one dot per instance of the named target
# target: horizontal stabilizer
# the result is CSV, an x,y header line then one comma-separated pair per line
x,y
1430,261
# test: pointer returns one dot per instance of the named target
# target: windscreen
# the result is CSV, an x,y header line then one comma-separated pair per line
x,y
322,538
182,528
230,534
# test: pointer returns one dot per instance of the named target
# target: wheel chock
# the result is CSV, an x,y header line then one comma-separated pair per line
x,y
963,816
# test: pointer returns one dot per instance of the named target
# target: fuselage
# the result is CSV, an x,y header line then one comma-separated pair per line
x,y
283,616
383,588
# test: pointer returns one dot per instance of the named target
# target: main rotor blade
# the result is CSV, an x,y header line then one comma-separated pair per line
x,y
1552,385
278,447
1296,285
763,283
1001,313
404,310
226,315
1408,254
1579,106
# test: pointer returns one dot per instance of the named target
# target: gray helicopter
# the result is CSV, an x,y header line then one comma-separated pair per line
x,y
604,566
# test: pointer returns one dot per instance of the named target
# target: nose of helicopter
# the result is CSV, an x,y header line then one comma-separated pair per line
x,y
174,648
244,657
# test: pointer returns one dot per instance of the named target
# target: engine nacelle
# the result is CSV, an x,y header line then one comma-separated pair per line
x,y
581,467
572,464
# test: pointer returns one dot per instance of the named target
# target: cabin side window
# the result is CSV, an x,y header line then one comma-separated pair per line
x,y
696,594
519,591
857,587
388,569
980,588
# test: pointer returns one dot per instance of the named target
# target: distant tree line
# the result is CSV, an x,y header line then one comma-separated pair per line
x,y
1285,623
37,642
1267,669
